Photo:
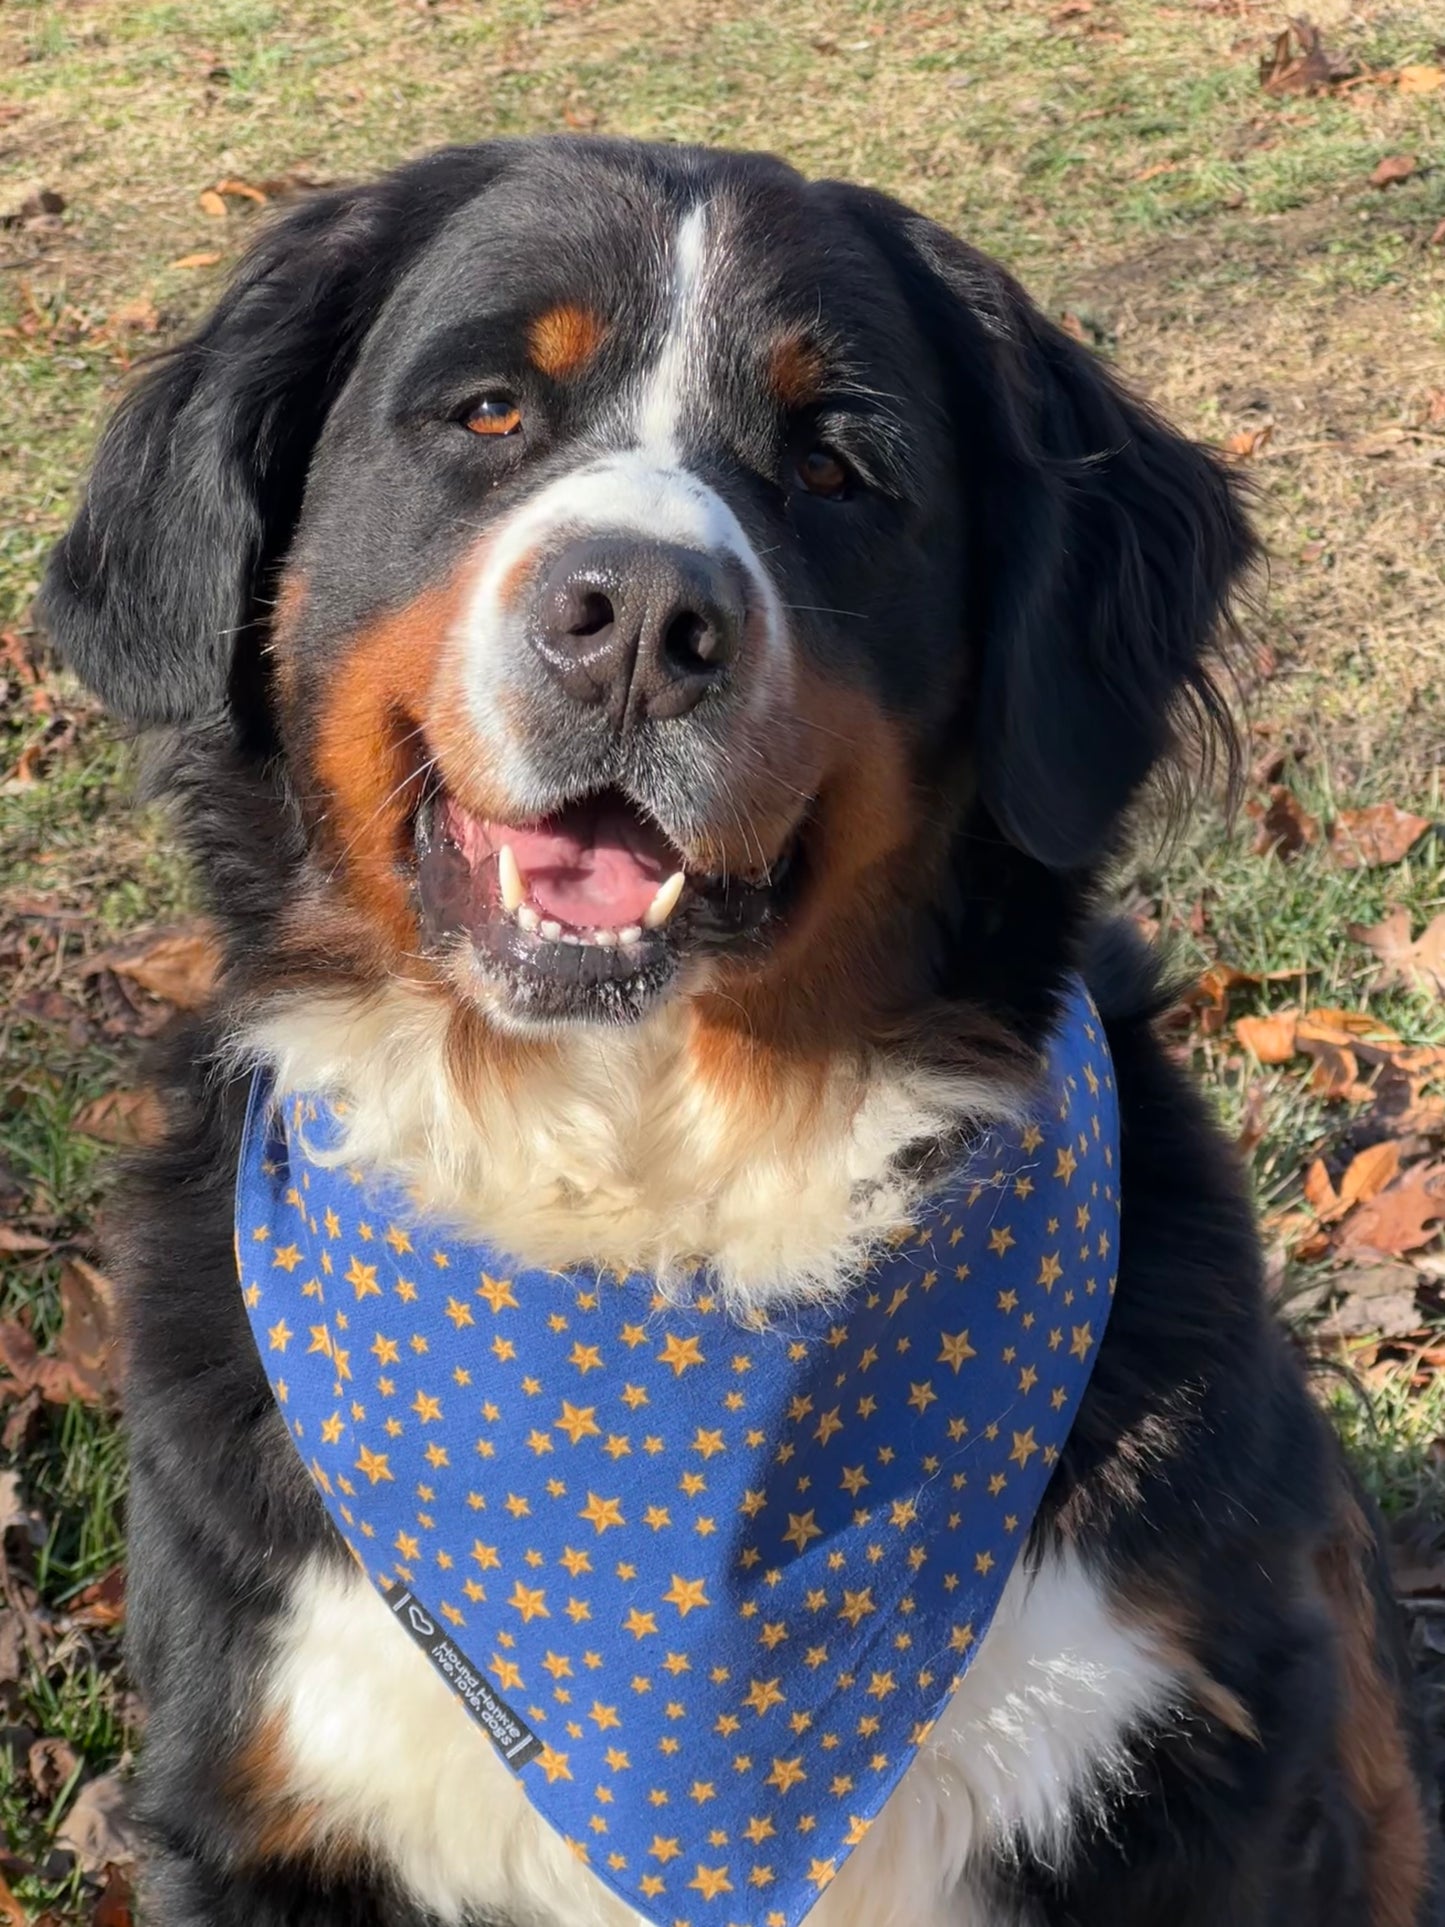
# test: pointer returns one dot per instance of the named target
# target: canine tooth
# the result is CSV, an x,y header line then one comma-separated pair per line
x,y
550,930
527,917
514,890
606,938
665,902
630,933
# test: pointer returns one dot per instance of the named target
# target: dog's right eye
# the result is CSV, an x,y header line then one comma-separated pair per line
x,y
493,415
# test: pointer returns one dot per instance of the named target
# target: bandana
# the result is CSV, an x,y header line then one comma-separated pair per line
x,y
706,1584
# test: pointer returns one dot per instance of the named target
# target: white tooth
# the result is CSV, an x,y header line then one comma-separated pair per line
x,y
665,902
527,917
606,938
514,890
551,931
572,936
630,933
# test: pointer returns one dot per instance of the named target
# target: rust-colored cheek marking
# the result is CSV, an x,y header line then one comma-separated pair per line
x,y
795,371
371,751
1374,1749
280,1826
564,339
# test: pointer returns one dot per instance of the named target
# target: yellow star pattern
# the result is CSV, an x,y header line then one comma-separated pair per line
x,y
756,1584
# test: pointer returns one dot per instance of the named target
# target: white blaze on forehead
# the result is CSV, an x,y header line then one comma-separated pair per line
x,y
680,368
643,489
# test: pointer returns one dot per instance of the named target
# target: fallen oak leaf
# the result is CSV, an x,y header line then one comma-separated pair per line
x,y
205,259
1285,825
1370,838
1271,1038
1353,1028
115,1903
103,1603
178,965
1335,1075
97,1828
1403,1217
1394,168
88,1328
1420,79
1367,1174
23,1243
122,1118
12,1914
1378,1301
211,204
1412,963
1248,442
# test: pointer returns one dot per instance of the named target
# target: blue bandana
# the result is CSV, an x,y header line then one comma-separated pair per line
x,y
705,1584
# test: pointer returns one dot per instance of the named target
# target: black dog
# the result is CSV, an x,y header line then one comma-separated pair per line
x,y
650,656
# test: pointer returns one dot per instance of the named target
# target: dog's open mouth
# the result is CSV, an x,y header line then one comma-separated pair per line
x,y
585,914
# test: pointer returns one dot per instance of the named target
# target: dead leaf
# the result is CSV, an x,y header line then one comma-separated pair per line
x,y
1252,1124
1354,1028
1437,239
139,316
114,1905
102,1604
88,1328
19,1242
1248,442
1285,825
51,1763
178,965
1272,1038
242,191
211,204
1415,964
1300,63
1394,167
1378,1302
1404,1215
1336,1073
80,1366
1367,839
97,1828
1159,167
201,260
1366,1175
12,1914
1071,325
1320,1193
1420,80
122,1117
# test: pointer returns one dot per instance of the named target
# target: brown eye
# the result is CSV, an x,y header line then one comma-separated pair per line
x,y
821,473
494,415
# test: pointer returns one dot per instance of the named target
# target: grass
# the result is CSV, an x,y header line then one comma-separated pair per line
x,y
1222,245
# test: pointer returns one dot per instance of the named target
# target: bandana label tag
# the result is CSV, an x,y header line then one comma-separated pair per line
x,y
515,1741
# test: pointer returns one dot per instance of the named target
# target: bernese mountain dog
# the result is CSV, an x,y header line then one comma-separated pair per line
x,y
650,656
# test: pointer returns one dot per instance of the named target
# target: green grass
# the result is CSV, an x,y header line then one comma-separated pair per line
x,y
1259,276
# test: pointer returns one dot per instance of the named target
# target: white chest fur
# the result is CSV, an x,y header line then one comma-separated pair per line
x,y
1039,1731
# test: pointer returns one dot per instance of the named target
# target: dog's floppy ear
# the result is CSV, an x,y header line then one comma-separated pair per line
x,y
1104,548
197,483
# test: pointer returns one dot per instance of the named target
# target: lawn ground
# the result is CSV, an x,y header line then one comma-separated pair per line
x,y
1224,243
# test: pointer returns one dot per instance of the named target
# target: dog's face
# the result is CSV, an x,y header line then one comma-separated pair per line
x,y
671,562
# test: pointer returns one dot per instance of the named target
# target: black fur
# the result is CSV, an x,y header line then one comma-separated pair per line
x,y
1033,586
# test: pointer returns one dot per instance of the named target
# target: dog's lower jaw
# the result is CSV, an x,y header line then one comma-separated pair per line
x,y
366,1738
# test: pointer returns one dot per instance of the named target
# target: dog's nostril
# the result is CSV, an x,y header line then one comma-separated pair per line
x,y
689,642
593,614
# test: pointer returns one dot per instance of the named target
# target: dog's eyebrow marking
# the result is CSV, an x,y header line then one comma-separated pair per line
x,y
562,340
796,370
679,364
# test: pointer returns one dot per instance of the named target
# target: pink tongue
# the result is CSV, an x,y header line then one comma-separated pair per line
x,y
595,865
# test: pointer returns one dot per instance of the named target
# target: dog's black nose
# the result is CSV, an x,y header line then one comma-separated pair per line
x,y
645,627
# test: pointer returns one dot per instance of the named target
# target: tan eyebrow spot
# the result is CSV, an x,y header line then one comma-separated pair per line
x,y
564,339
795,371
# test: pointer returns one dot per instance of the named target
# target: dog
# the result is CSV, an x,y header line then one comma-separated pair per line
x,y
651,657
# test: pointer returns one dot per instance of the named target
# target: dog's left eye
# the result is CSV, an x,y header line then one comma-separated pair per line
x,y
494,415
823,473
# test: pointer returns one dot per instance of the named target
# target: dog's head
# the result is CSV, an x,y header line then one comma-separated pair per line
x,y
631,571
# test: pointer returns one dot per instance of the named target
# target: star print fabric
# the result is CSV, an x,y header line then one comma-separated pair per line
x,y
720,1578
